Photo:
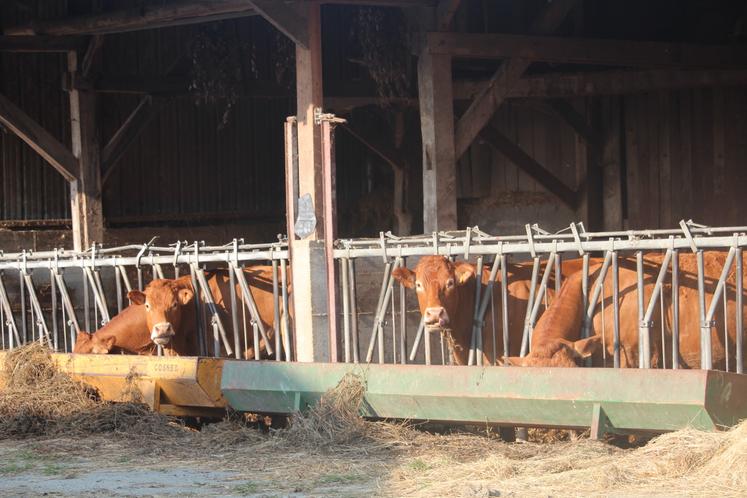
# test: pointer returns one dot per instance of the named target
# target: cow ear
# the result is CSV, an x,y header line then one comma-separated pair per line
x,y
405,276
185,296
82,337
107,343
464,272
584,348
136,297
516,361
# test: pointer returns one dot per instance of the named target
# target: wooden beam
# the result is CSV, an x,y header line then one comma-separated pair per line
x,y
147,16
40,44
39,139
286,17
437,129
85,193
508,74
565,111
445,11
528,165
615,82
386,152
588,51
92,57
130,130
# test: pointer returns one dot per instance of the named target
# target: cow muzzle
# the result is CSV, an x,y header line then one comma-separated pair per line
x,y
162,333
436,318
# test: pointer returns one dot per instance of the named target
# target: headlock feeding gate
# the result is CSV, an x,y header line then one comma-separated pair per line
x,y
678,286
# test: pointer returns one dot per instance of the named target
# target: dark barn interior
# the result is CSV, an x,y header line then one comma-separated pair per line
x,y
184,116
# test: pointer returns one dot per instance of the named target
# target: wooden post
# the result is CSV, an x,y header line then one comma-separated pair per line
x,y
437,127
310,289
611,164
85,193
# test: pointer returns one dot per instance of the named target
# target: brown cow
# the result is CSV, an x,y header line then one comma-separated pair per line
x,y
123,333
446,295
169,307
555,340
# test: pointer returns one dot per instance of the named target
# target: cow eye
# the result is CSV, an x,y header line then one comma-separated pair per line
x,y
450,283
147,306
418,286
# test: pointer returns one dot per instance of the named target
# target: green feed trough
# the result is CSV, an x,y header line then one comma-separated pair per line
x,y
605,399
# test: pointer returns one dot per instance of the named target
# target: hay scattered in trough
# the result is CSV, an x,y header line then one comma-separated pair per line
x,y
39,399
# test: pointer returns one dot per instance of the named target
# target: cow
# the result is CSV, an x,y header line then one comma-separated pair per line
x,y
446,296
556,339
163,314
126,332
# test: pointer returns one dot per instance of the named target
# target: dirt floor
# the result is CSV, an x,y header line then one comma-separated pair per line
x,y
227,460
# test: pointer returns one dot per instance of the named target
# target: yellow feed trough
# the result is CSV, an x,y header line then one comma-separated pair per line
x,y
182,386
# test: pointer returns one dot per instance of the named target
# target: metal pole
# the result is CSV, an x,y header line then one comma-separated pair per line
x,y
726,328
215,316
705,328
486,294
379,304
403,321
354,310
394,324
675,309
588,318
504,304
537,302
276,309
615,309
24,327
644,344
427,347
474,347
235,317
86,303
647,323
55,329
418,339
286,321
709,317
67,305
530,305
118,282
251,304
201,332
739,319
255,336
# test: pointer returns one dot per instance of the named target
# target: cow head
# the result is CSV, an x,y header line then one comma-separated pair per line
x,y
558,353
88,343
164,301
436,281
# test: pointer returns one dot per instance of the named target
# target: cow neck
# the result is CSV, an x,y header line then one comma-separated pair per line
x,y
563,319
462,326
129,330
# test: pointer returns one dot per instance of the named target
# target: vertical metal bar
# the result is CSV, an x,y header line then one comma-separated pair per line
x,y
486,294
139,278
276,309
705,329
2,323
709,317
330,214
616,310
418,339
201,332
588,318
249,302
726,328
661,321
68,306
377,324
353,310
402,321
443,352
118,283
36,308
603,324
394,324
255,338
536,302
235,317
345,309
675,309
504,304
125,278
646,324
287,336
475,348
558,272
55,327
740,318
98,295
644,344
86,302
427,346
530,305
24,324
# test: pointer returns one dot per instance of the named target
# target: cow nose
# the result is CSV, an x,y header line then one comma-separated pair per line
x,y
436,316
162,333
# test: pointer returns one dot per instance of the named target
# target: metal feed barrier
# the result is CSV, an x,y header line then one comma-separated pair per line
x,y
536,245
64,309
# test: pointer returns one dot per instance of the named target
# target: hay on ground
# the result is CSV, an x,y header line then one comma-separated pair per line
x,y
39,399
